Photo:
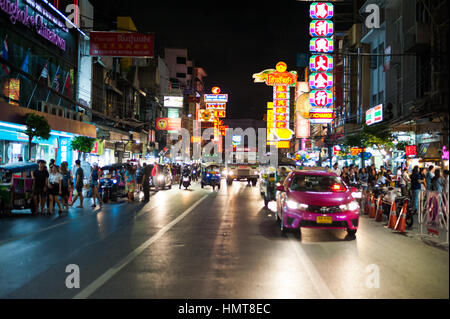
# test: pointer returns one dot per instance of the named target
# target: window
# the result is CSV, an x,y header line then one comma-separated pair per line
x,y
373,59
316,184
181,75
181,60
380,57
190,70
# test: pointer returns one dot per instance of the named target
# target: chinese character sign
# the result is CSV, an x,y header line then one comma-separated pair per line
x,y
320,10
321,64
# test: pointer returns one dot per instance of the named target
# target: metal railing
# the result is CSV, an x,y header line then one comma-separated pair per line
x,y
433,214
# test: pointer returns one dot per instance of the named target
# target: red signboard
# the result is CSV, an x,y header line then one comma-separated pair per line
x,y
167,124
411,150
121,44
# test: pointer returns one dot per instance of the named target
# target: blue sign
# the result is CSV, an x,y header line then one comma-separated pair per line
x,y
216,98
367,156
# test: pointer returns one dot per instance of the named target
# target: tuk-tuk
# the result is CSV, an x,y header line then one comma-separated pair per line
x,y
268,184
273,177
112,183
211,176
16,187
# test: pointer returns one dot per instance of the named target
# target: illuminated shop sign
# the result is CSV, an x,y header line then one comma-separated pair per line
x,y
320,10
36,22
216,98
374,115
321,116
411,150
173,101
321,98
321,81
321,28
321,63
325,45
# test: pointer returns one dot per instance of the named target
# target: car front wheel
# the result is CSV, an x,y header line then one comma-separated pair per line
x,y
351,232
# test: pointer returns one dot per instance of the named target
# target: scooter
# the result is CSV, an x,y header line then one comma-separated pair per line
x,y
186,180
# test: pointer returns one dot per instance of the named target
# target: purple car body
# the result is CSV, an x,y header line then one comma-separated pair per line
x,y
323,201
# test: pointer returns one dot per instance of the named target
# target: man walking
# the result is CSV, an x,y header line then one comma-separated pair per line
x,y
79,180
146,175
40,182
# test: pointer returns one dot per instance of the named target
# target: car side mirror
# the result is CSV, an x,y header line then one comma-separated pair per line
x,y
281,188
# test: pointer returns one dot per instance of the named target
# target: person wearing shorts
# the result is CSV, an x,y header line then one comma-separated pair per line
x,y
79,178
94,183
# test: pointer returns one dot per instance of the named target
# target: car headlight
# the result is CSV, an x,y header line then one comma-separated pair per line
x,y
292,204
350,206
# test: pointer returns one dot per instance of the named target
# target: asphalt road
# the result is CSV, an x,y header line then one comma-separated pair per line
x,y
205,244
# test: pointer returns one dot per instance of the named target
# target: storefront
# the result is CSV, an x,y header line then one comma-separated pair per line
x,y
14,145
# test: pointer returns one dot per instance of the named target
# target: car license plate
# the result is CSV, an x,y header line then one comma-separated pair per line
x,y
324,220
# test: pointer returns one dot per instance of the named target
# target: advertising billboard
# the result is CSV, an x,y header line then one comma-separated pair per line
x,y
173,101
167,124
121,44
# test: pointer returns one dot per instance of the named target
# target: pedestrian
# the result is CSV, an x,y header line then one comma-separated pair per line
x,y
147,174
139,175
372,177
66,185
94,184
416,187
446,184
405,182
364,179
79,183
429,178
130,178
336,169
54,188
423,175
437,183
40,182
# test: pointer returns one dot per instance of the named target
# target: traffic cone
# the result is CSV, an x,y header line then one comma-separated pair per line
x,y
401,222
379,216
372,208
367,205
393,216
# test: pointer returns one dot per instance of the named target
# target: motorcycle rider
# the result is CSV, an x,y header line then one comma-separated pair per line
x,y
186,172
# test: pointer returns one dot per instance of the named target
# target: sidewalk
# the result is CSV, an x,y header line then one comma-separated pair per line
x,y
415,233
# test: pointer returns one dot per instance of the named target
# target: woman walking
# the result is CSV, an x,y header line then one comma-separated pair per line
x,y
66,185
417,182
54,188
94,186
437,183
130,179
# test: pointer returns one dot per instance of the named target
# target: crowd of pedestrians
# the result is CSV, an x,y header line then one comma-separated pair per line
x,y
410,183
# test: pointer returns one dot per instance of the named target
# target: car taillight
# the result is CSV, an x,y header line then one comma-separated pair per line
x,y
338,188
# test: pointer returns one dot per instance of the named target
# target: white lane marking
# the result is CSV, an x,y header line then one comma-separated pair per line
x,y
100,281
317,281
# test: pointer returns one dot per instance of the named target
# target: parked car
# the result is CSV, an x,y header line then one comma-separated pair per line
x,y
316,199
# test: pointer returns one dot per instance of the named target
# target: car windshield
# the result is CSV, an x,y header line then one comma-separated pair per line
x,y
316,183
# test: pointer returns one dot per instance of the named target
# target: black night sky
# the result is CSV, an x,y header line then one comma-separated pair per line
x,y
231,40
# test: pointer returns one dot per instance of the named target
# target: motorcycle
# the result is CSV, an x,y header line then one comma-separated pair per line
x,y
186,180
389,195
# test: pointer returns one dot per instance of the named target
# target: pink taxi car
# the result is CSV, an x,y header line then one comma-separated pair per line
x,y
316,199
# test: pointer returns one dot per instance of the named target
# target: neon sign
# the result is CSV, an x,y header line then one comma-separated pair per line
x,y
321,81
319,10
321,28
34,22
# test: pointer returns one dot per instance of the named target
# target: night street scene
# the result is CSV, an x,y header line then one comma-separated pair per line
x,y
252,152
